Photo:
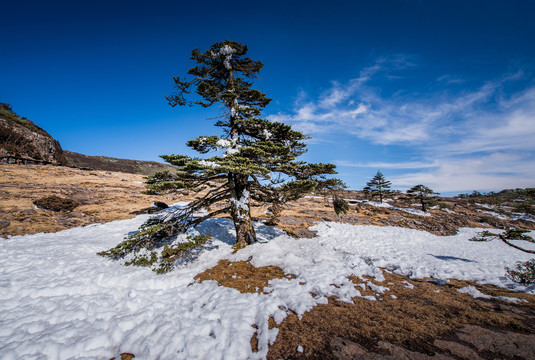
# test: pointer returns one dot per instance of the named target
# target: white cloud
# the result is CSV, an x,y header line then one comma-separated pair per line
x,y
494,172
385,165
483,138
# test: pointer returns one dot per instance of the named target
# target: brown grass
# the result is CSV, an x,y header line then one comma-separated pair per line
x,y
413,321
242,275
103,197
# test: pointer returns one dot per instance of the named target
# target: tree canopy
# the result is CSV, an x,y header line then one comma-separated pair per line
x,y
378,186
422,193
250,159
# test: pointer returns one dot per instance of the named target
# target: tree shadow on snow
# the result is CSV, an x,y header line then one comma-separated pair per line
x,y
451,258
223,230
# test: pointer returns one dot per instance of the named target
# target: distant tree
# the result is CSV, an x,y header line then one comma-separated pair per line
x,y
258,162
422,193
378,186
367,192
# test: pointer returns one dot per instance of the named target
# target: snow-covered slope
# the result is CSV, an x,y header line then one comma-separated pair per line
x,y
59,300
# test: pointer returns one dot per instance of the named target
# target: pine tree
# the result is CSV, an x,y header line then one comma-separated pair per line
x,y
378,186
252,159
422,193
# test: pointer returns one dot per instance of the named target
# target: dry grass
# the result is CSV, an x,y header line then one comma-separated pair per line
x,y
242,275
413,321
103,197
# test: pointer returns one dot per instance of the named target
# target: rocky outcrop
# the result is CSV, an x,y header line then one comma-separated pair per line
x,y
23,139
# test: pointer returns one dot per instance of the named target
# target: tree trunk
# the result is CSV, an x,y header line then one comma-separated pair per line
x,y
423,205
240,211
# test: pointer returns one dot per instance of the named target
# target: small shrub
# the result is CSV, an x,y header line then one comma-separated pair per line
x,y
525,207
524,273
340,205
483,236
56,203
517,234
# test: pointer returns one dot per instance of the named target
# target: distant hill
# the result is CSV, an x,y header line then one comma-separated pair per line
x,y
21,138
113,164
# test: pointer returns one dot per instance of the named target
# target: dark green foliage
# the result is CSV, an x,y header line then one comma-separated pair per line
x,y
340,205
163,182
524,273
378,186
517,234
422,193
170,253
143,260
509,234
147,254
56,203
142,239
484,236
524,207
251,159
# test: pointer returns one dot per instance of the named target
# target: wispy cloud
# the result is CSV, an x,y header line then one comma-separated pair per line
x,y
492,172
392,165
467,139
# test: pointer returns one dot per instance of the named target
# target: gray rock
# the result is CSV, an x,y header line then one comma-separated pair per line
x,y
507,344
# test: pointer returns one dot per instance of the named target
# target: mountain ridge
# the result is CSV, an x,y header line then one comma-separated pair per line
x,y
22,139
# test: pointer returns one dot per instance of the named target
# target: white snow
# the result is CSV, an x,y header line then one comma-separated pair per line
x,y
231,151
512,216
478,294
59,300
495,214
211,164
227,52
224,143
385,205
242,203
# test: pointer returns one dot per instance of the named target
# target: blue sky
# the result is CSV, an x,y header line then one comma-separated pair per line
x,y
440,93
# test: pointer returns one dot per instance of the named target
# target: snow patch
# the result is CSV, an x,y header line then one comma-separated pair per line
x,y
388,206
471,290
210,164
58,299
